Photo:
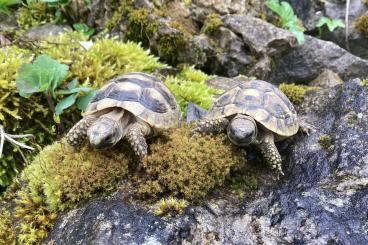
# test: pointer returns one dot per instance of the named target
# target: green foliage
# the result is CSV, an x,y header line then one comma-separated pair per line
x,y
44,75
294,92
332,24
106,59
186,167
170,207
287,17
83,28
5,4
361,24
36,13
189,86
212,23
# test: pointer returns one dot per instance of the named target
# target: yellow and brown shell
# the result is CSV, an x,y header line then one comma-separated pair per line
x,y
143,95
262,101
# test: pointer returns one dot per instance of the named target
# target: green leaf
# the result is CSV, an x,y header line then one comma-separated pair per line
x,y
86,30
65,103
332,24
83,101
45,74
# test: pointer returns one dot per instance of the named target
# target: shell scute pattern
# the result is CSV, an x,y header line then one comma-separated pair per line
x,y
261,100
141,94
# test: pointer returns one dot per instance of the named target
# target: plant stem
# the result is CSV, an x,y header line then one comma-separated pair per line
x,y
347,25
50,101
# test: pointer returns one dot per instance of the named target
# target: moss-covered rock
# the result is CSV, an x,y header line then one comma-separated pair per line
x,y
294,92
212,23
184,166
361,24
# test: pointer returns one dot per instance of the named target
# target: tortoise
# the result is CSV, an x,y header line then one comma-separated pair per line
x,y
135,106
254,112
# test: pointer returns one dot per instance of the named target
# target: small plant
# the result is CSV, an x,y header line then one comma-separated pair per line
x,y
5,4
83,28
325,142
170,206
213,22
361,24
46,75
331,24
287,17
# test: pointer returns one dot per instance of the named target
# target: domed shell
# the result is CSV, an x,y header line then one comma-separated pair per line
x,y
143,95
262,101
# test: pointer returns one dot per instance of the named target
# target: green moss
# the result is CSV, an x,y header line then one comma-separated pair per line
x,y
106,59
7,231
186,167
294,92
35,13
352,118
212,23
170,207
365,82
189,86
140,26
361,24
325,142
170,46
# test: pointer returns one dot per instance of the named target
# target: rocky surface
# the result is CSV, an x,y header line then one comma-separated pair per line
x,y
43,31
322,199
310,11
306,62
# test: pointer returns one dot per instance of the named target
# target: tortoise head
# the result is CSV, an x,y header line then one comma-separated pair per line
x,y
104,132
242,130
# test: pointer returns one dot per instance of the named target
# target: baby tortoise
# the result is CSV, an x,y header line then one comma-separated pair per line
x,y
254,112
134,106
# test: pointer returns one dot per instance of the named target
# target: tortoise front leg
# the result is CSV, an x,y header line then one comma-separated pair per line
x,y
211,126
78,133
136,137
270,153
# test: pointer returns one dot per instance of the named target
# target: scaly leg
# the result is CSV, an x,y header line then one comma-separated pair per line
x,y
136,137
211,126
270,152
78,133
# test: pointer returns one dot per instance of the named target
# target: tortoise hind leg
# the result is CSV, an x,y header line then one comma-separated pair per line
x,y
78,133
270,152
211,126
136,137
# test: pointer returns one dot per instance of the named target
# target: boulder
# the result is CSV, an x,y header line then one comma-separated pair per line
x,y
322,199
306,62
43,31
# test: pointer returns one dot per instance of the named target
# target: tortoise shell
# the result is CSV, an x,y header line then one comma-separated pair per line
x,y
262,101
141,94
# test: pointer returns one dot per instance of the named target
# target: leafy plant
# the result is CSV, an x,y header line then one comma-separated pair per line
x,y
86,30
45,75
5,4
332,24
287,17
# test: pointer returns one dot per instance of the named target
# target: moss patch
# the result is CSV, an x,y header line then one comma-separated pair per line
x,y
325,142
186,167
170,207
361,24
294,92
212,23
35,13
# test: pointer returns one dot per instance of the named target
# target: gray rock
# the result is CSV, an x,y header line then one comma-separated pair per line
x,y
310,11
195,113
327,79
305,63
225,83
322,199
43,31
261,37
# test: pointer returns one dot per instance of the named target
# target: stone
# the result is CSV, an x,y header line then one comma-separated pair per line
x,y
305,63
225,83
327,79
322,199
43,31
195,113
261,37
